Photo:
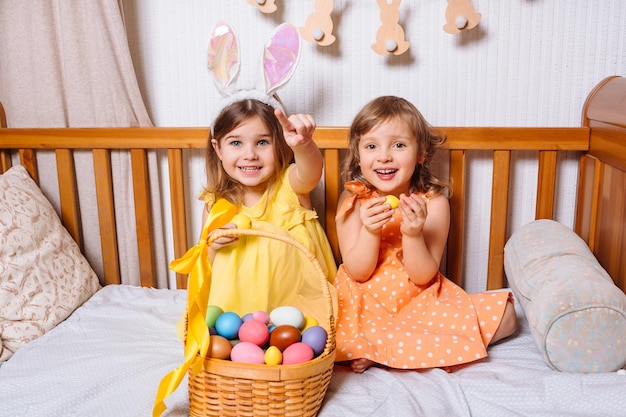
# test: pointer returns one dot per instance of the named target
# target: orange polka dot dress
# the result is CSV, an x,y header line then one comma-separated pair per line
x,y
390,320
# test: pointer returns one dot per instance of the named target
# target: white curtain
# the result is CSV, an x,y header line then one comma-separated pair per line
x,y
66,63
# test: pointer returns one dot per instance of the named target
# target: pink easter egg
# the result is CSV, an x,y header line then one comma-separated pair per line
x,y
297,353
254,331
261,316
247,352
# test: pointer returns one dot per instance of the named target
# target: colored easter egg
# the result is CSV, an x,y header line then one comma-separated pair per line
x,y
315,336
297,353
261,316
287,315
273,356
227,324
219,347
284,336
247,352
241,221
212,313
393,201
246,317
254,331
309,322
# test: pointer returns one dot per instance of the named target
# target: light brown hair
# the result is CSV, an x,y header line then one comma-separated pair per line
x,y
219,183
429,140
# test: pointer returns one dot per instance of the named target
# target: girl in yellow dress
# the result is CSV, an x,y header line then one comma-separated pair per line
x,y
249,164
395,308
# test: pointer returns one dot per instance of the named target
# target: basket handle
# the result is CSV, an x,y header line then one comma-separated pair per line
x,y
323,282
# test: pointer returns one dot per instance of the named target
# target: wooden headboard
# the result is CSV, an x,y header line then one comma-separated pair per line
x,y
600,213
601,201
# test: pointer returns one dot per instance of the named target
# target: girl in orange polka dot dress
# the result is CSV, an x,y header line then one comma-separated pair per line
x,y
395,308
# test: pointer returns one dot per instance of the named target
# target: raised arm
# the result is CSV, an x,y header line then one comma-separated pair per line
x,y
298,130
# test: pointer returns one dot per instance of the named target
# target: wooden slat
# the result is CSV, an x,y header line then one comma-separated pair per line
x,y
598,180
499,210
143,217
29,160
5,161
179,217
584,194
546,185
106,216
68,194
454,254
331,184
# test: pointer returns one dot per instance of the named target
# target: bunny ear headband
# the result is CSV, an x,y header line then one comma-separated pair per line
x,y
280,58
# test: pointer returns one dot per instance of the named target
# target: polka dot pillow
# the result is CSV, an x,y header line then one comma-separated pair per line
x,y
577,315
43,275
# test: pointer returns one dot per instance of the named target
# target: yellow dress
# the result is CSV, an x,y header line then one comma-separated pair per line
x,y
390,320
259,273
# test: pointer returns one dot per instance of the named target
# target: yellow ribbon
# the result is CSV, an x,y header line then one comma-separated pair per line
x,y
195,263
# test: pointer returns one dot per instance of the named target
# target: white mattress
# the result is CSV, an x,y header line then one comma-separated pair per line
x,y
108,358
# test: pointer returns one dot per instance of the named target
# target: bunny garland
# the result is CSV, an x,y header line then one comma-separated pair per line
x,y
280,58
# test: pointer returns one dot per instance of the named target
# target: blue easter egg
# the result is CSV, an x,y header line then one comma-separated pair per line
x,y
228,324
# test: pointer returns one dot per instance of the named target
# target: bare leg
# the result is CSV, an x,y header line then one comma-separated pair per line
x,y
508,325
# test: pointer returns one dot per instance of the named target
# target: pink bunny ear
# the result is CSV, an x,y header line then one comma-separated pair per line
x,y
280,57
223,57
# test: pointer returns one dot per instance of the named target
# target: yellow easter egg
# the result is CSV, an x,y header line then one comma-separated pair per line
x,y
241,221
273,356
393,201
308,322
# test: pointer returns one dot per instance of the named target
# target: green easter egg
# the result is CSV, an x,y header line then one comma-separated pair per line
x,y
212,313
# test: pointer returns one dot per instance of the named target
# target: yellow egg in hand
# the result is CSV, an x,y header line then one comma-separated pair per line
x,y
241,221
393,201
273,356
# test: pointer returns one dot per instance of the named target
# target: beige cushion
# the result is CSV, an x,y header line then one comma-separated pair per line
x,y
577,315
43,275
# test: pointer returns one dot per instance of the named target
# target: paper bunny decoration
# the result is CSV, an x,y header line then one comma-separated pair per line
x,y
265,6
280,58
460,15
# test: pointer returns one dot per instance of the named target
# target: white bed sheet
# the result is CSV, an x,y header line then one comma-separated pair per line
x,y
108,358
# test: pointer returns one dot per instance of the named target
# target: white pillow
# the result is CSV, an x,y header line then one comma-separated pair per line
x,y
43,275
577,315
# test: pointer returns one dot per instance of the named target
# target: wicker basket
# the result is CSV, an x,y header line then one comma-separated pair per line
x,y
224,388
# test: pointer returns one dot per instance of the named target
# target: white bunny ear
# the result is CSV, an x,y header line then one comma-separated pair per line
x,y
280,57
223,57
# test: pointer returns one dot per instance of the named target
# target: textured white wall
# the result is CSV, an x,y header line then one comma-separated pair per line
x,y
528,63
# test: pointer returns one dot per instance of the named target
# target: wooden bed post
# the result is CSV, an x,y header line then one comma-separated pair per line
x,y
601,206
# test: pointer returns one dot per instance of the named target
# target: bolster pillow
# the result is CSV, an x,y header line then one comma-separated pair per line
x,y
577,315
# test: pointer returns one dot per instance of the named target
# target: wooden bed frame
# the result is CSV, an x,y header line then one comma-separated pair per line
x,y
600,217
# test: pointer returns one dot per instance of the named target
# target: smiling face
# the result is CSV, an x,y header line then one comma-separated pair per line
x,y
388,154
247,155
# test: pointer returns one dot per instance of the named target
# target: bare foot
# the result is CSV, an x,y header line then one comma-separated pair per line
x,y
360,365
